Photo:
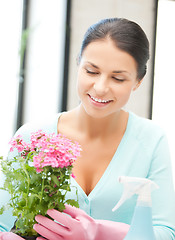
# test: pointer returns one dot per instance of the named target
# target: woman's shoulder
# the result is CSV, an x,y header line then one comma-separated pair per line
x,y
48,125
145,128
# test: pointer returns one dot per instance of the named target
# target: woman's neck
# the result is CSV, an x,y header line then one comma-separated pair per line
x,y
100,127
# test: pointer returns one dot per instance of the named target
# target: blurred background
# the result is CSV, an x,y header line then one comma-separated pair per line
x,y
39,44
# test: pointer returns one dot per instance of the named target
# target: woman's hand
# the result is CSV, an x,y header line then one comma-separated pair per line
x,y
77,225
9,236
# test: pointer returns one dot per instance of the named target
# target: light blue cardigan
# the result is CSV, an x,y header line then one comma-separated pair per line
x,y
143,152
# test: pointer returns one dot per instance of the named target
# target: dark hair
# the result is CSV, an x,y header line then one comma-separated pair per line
x,y
127,36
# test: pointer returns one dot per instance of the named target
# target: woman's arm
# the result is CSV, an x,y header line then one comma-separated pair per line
x,y
6,219
163,199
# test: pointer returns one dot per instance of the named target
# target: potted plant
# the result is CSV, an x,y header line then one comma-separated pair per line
x,y
38,177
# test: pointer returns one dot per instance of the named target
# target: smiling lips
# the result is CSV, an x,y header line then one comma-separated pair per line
x,y
97,100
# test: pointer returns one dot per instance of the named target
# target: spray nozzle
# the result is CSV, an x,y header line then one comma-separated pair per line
x,y
134,185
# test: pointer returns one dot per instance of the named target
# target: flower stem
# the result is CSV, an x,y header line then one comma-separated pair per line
x,y
28,182
42,188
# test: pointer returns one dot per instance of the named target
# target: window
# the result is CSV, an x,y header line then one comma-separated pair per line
x,y
44,62
10,20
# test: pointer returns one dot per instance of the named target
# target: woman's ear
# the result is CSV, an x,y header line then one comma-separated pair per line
x,y
137,84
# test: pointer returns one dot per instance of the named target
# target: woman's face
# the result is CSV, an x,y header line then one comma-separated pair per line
x,y
106,77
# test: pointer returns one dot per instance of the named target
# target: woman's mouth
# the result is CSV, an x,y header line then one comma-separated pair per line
x,y
99,101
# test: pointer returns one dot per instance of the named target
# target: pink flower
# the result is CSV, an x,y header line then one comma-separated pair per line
x,y
19,144
73,176
52,150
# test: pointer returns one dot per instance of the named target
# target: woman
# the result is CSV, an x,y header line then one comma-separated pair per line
x,y
111,65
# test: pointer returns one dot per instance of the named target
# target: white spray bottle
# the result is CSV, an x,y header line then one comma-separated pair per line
x,y
141,226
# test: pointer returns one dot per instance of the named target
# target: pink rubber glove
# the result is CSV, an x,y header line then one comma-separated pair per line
x,y
78,226
9,236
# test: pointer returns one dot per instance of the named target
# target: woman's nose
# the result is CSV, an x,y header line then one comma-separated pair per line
x,y
101,86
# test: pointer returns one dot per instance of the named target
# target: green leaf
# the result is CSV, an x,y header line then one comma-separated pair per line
x,y
2,209
31,200
72,202
22,187
22,203
55,180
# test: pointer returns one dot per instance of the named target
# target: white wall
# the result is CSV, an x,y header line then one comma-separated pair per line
x,y
85,13
164,81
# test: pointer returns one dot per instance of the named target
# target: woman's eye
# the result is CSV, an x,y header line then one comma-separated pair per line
x,y
119,79
91,72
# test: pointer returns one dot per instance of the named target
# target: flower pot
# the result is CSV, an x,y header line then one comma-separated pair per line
x,y
24,237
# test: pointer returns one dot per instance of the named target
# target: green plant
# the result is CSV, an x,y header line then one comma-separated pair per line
x,y
38,178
